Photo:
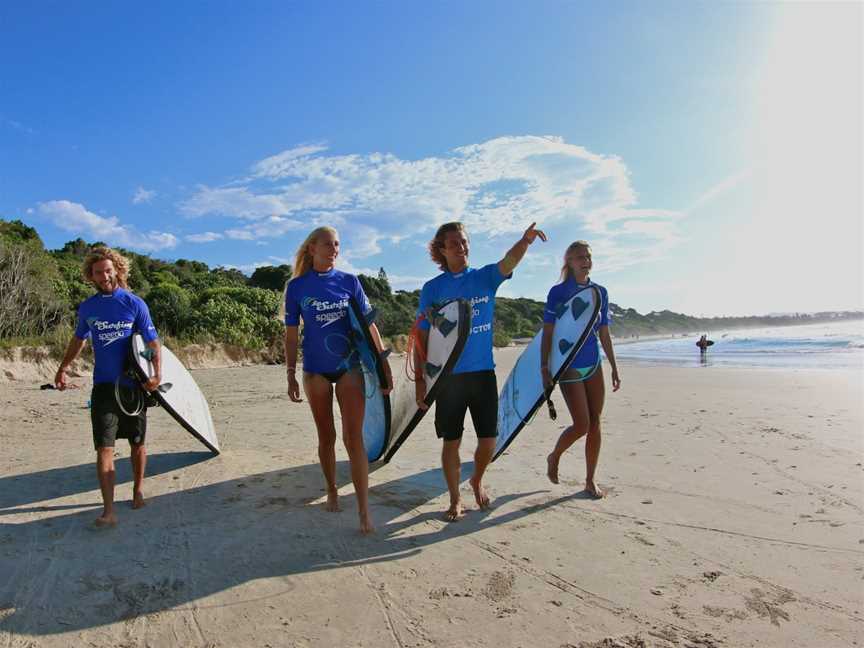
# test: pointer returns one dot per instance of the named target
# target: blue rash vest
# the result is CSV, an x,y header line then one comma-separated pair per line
x,y
479,287
110,321
321,299
589,354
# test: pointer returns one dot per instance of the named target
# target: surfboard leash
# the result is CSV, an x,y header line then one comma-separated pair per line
x,y
414,346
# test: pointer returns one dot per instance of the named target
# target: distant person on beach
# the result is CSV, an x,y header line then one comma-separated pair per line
x,y
318,293
472,384
110,318
582,385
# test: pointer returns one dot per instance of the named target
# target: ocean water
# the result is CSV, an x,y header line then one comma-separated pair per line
x,y
837,345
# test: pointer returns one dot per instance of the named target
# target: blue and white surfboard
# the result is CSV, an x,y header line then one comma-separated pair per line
x,y
523,392
376,417
450,324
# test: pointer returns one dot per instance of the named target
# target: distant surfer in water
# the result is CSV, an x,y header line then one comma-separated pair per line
x,y
110,318
319,294
472,384
582,384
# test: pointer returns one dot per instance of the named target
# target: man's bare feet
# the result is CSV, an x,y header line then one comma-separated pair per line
x,y
332,503
138,500
552,468
593,490
105,521
366,524
479,493
455,512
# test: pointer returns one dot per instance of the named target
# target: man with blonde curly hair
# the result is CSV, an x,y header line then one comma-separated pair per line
x,y
110,318
472,385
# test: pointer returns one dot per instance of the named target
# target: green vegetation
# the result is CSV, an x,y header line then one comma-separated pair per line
x,y
40,290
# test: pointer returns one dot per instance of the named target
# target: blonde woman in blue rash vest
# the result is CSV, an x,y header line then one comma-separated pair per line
x,y
319,293
582,384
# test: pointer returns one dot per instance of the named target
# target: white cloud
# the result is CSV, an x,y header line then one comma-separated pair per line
x,y
271,227
495,187
74,217
143,195
204,237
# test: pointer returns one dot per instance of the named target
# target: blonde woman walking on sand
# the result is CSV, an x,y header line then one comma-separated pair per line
x,y
582,384
319,294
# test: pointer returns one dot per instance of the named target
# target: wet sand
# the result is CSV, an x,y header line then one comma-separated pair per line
x,y
734,517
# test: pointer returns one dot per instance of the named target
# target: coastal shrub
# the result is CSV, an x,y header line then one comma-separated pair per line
x,y
29,299
270,277
170,307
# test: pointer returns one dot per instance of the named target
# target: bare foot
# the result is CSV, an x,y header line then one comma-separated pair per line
x,y
455,512
479,494
593,490
366,524
332,504
138,500
552,468
105,521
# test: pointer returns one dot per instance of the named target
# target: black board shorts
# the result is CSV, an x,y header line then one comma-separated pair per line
x,y
109,421
474,391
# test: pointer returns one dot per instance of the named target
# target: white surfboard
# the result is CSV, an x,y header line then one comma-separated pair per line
x,y
523,392
179,395
448,333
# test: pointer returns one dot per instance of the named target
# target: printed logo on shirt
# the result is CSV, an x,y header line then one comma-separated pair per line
x,y
475,312
328,311
108,332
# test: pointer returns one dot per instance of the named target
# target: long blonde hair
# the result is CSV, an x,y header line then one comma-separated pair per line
x,y
121,265
303,260
566,272
437,243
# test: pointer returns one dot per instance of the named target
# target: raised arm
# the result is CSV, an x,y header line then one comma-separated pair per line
x,y
515,254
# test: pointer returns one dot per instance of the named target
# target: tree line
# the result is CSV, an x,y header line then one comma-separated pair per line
x,y
190,302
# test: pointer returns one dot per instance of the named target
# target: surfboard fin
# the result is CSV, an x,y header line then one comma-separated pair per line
x,y
147,354
578,307
165,387
371,315
564,346
432,369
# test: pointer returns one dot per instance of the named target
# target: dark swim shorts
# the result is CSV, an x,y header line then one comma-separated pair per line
x,y
476,391
109,421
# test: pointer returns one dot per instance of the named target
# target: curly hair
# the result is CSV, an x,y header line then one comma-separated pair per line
x,y
437,243
121,265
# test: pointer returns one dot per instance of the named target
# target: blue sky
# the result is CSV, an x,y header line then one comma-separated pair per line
x,y
711,152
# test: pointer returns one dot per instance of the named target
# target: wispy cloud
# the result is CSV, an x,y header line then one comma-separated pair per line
x,y
204,237
74,217
495,187
17,125
143,195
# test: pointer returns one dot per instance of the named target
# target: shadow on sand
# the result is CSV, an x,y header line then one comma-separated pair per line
x,y
187,545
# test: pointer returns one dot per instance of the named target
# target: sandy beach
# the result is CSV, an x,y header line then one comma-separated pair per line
x,y
734,517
